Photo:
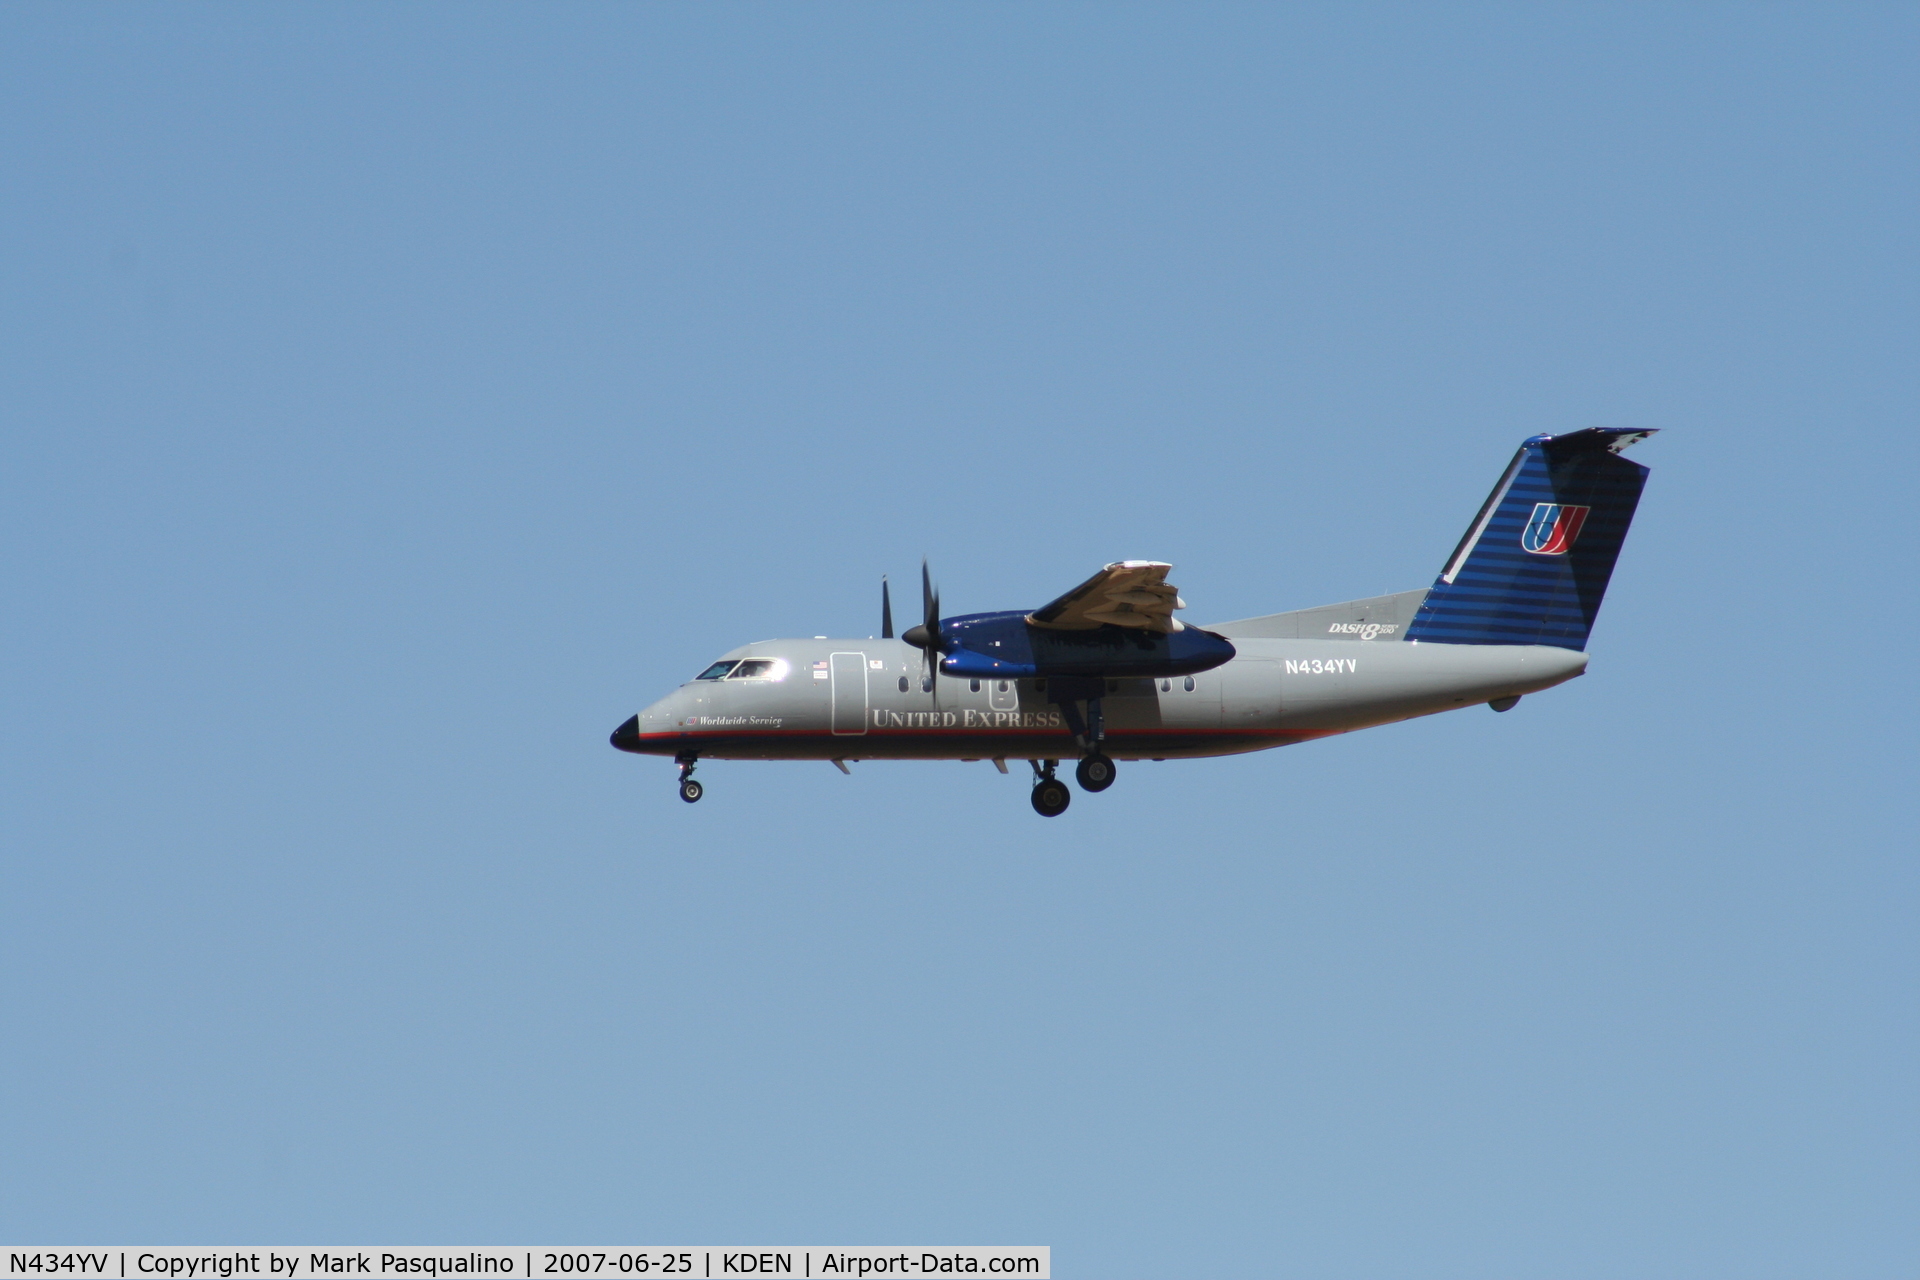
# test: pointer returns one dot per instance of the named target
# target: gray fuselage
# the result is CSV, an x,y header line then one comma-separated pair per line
x,y
866,700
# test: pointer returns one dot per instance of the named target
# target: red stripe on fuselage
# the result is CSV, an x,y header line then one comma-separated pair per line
x,y
959,744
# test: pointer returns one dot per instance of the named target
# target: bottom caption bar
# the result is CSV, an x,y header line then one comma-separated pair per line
x,y
523,1263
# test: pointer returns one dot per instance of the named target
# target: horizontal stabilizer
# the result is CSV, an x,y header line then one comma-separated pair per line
x,y
1376,618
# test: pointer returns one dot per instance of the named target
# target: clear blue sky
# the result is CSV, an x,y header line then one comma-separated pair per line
x,y
397,398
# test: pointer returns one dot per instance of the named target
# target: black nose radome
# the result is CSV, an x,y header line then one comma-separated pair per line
x,y
627,736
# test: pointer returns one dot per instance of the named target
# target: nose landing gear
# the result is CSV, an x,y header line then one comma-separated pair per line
x,y
690,790
1050,795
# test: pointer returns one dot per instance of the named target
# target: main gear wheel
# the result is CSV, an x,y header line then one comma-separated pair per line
x,y
1094,773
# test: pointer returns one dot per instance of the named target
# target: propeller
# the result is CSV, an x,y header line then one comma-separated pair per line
x,y
886,610
926,636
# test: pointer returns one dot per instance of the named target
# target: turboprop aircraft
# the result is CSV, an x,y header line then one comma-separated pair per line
x,y
1106,672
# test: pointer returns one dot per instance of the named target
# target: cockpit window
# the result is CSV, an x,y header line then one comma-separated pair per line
x,y
717,671
757,669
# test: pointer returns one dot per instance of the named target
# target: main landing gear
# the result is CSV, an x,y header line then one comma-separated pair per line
x,y
1095,772
1050,795
690,790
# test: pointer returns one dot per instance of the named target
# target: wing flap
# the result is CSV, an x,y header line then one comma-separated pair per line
x,y
1132,593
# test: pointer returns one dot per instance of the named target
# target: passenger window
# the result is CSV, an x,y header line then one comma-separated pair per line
x,y
903,684
973,686
1189,684
715,672
753,669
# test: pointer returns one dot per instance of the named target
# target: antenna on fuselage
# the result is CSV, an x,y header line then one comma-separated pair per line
x,y
886,610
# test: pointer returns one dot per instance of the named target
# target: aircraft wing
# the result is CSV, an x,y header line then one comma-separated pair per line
x,y
1133,593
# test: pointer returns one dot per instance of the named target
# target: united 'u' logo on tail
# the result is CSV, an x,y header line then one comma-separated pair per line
x,y
1553,528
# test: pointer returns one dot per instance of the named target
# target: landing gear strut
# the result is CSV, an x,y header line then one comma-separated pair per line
x,y
1095,772
1089,733
1050,795
690,790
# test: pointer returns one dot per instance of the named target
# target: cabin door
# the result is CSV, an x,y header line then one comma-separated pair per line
x,y
849,693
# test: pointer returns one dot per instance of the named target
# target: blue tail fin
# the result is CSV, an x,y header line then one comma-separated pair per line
x,y
1536,560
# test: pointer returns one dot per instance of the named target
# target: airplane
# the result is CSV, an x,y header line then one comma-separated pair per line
x,y
1106,673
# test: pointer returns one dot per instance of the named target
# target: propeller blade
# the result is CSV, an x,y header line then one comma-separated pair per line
x,y
886,610
925,635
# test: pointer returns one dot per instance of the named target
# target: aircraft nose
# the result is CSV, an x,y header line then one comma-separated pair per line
x,y
627,736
